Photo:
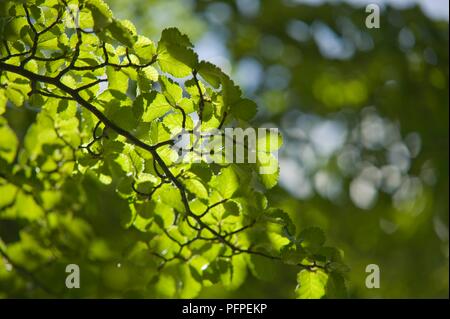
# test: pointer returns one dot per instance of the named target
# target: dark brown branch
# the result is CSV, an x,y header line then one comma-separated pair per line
x,y
48,94
212,206
202,100
89,85
183,113
48,28
224,117
240,229
76,96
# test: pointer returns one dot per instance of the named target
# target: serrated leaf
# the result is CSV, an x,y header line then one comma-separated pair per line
x,y
336,287
170,196
174,36
117,80
226,182
149,73
100,12
279,216
312,238
144,48
292,254
211,73
149,106
196,187
121,33
175,54
235,274
124,118
172,91
176,60
311,284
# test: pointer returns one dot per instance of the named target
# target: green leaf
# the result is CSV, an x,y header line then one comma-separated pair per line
x,y
293,254
137,161
165,286
149,106
144,49
312,238
27,208
170,196
14,27
149,73
36,12
8,142
121,33
244,109
338,267
278,216
176,60
196,187
173,122
3,100
15,97
235,273
230,91
211,73
226,182
336,287
189,287
124,118
175,55
172,91
231,208
187,105
174,36
331,254
191,88
311,284
261,267
117,80
100,12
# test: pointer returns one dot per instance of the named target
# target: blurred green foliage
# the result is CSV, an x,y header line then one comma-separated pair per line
x,y
379,188
388,88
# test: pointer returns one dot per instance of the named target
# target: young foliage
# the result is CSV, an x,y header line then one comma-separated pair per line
x,y
95,180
